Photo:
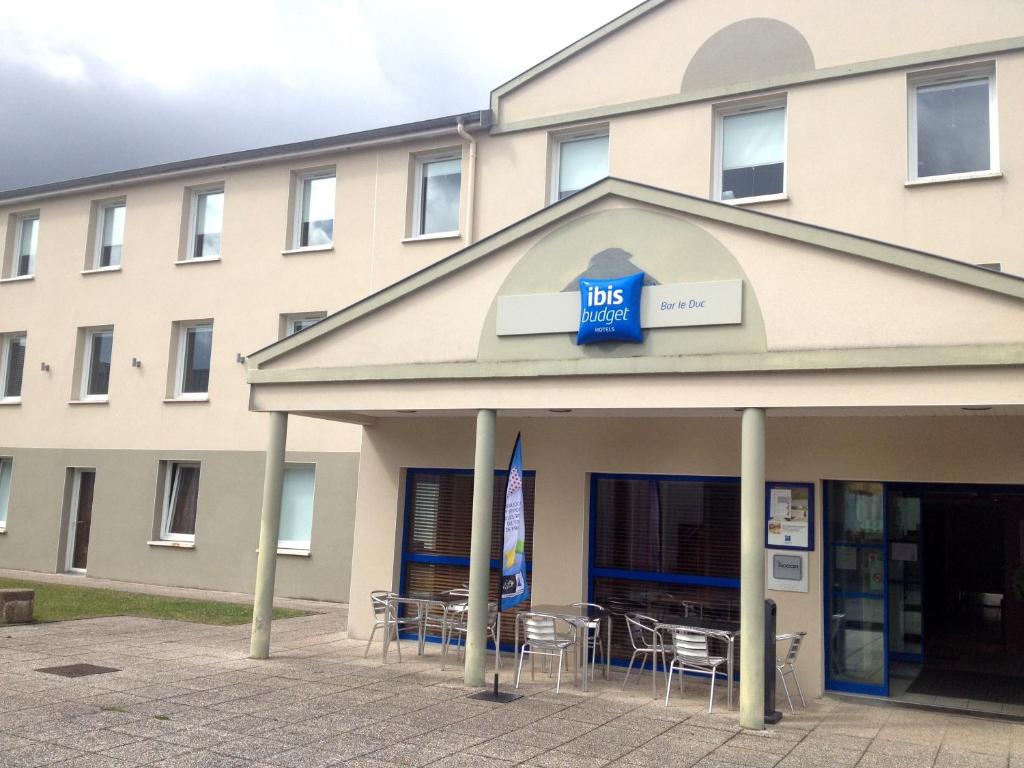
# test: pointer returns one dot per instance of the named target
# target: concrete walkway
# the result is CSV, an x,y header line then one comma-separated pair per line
x,y
152,589
186,695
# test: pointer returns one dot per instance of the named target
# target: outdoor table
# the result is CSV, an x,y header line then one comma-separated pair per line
x,y
724,630
423,602
579,617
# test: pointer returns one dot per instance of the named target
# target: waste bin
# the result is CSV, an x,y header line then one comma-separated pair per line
x,y
771,715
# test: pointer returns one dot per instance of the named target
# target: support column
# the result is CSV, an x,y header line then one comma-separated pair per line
x,y
270,522
480,549
752,522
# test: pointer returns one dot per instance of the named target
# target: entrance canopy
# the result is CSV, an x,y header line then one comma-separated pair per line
x,y
794,317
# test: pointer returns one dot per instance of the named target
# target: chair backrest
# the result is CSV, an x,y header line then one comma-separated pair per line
x,y
594,622
539,628
795,640
379,601
641,631
690,644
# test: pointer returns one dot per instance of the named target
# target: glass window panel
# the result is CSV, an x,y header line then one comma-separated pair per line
x,y
6,469
209,221
184,499
112,243
754,138
15,359
857,652
855,513
196,364
953,132
302,323
581,162
317,225
297,506
29,241
100,346
439,197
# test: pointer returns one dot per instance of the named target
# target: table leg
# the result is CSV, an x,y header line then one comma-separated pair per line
x,y
728,663
584,656
608,650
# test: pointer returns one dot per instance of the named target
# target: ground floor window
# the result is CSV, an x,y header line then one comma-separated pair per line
x,y
6,468
296,527
181,501
664,546
438,527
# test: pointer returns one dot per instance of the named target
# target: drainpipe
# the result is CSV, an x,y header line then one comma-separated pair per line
x,y
470,186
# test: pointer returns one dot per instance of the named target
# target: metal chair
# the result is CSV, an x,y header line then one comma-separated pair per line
x,y
541,639
458,623
787,665
593,639
690,651
644,638
385,619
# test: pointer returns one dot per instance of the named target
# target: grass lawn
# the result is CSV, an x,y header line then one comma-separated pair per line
x,y
60,602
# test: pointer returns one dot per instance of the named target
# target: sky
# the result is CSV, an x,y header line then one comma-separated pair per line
x,y
94,87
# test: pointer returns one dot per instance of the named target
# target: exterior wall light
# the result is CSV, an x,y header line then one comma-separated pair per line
x,y
44,366
239,357
136,363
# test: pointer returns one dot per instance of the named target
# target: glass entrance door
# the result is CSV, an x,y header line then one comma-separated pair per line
x,y
81,521
856,649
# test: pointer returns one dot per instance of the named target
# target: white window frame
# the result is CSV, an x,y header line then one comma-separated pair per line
x,y
722,111
985,70
91,333
558,139
5,352
9,461
193,218
300,187
179,375
102,209
291,320
16,259
72,517
295,545
170,492
417,206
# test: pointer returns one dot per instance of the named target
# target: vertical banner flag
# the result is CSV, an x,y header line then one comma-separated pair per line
x,y
514,588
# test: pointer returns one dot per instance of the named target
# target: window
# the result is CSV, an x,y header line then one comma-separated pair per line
x,y
26,241
578,160
292,324
99,343
207,220
315,211
195,341
952,123
297,507
181,501
751,152
12,366
110,237
438,517
438,187
6,469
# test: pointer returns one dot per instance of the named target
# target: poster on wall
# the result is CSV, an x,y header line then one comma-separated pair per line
x,y
790,518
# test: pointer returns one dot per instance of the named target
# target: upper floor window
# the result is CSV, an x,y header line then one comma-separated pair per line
x,y
314,225
96,354
207,220
952,123
110,235
12,366
291,324
578,160
750,154
438,188
195,343
20,254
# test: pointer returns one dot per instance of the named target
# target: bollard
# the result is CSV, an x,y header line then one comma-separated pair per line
x,y
771,715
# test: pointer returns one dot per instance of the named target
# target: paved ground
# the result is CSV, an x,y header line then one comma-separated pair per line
x,y
188,696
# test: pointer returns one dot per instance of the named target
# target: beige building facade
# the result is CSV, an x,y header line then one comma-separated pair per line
x,y
847,169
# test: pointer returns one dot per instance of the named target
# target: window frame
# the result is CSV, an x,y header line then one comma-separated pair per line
x,y
298,545
299,204
730,109
102,209
193,220
181,341
416,230
981,70
87,360
22,219
170,491
289,321
6,503
567,137
5,352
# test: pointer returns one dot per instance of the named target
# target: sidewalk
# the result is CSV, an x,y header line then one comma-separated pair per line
x,y
75,580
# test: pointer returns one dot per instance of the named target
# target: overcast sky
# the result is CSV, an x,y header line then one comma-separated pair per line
x,y
92,87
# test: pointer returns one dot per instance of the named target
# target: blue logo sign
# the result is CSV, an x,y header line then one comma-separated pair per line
x,y
610,309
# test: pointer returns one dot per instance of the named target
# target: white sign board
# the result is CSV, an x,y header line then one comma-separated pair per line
x,y
661,306
786,571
